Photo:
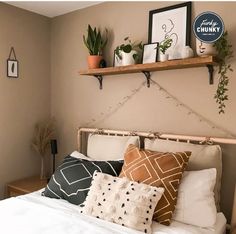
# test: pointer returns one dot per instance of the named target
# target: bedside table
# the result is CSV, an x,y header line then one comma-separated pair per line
x,y
24,186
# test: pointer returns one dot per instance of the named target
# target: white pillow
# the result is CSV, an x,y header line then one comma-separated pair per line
x,y
103,147
195,203
76,154
122,201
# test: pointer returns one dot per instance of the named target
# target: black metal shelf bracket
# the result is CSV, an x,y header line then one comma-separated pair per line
x,y
148,77
100,79
210,70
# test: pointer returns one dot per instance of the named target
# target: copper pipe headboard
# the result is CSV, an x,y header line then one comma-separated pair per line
x,y
176,137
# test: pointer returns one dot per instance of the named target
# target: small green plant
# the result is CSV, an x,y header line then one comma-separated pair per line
x,y
95,42
164,45
128,46
225,52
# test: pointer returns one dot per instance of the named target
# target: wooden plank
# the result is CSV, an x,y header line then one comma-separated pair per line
x,y
159,66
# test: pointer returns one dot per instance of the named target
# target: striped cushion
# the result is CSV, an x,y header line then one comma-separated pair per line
x,y
72,179
160,170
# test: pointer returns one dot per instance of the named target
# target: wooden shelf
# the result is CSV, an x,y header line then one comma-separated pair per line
x,y
208,61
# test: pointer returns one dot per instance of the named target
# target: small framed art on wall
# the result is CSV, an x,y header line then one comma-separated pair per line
x,y
12,65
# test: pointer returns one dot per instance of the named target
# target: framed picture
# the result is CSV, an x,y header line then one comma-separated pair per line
x,y
173,22
12,68
116,60
150,52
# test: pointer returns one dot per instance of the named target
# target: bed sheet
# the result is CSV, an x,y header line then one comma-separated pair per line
x,y
34,214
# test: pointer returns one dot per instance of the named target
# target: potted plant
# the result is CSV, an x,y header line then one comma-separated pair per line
x,y
163,46
95,43
129,52
224,54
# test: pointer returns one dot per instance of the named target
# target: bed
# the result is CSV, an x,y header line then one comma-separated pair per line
x,y
33,213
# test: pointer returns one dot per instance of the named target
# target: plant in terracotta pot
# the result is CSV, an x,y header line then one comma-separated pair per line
x,y
95,43
163,46
224,54
129,52
44,131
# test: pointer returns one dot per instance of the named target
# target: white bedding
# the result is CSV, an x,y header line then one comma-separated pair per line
x,y
34,214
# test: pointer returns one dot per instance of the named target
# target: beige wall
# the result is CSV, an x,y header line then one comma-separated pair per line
x,y
25,100
77,99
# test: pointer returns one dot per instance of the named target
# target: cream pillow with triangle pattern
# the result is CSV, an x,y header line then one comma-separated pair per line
x,y
122,201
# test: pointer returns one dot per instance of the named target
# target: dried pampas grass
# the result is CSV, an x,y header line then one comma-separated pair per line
x,y
44,131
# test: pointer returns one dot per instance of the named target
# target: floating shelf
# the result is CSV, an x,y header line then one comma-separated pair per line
x,y
208,61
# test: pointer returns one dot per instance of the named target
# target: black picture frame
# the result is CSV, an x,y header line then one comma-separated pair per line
x,y
12,68
170,24
154,56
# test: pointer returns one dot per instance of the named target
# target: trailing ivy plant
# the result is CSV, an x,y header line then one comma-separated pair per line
x,y
225,52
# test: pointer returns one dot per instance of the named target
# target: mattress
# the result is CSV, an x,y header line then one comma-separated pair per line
x,y
34,214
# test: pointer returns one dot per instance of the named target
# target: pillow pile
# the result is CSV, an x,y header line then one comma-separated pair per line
x,y
135,197
160,170
122,201
72,179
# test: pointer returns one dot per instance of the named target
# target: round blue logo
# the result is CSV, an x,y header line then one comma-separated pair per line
x,y
208,27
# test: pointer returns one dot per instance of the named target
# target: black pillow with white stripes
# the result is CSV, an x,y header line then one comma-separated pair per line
x,y
72,179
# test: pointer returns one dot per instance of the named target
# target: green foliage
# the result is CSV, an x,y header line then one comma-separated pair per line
x,y
225,52
165,45
128,46
95,41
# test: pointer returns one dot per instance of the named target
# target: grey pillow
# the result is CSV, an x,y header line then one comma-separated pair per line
x,y
203,157
72,179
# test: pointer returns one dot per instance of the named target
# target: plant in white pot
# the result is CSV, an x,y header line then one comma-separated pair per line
x,y
95,43
163,46
129,53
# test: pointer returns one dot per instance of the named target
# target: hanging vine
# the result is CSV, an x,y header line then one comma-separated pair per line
x,y
225,53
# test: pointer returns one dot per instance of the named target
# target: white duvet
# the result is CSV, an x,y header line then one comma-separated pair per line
x,y
34,214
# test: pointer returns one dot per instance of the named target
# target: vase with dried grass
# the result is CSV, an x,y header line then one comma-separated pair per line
x,y
44,131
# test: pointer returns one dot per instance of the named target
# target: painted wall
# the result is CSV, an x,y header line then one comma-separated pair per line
x,y
26,100
77,100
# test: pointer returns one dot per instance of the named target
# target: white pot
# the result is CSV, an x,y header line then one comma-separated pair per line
x,y
205,49
127,58
163,57
187,52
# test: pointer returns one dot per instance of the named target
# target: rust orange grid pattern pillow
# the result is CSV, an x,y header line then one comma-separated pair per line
x,y
157,169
